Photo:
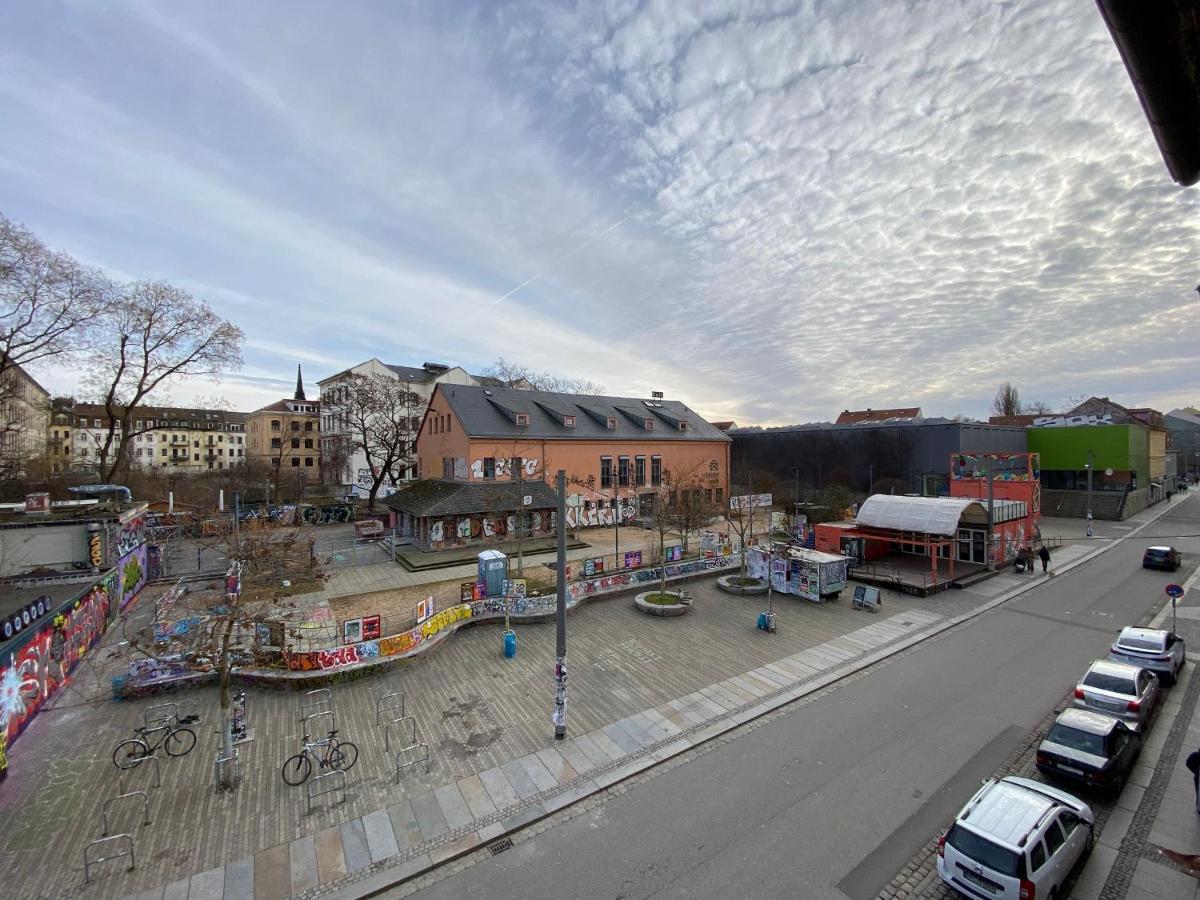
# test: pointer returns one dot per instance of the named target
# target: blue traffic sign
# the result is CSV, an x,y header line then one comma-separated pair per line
x,y
1174,590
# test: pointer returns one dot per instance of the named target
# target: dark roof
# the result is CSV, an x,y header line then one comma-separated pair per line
x,y
1159,43
67,406
854,416
281,406
489,412
435,497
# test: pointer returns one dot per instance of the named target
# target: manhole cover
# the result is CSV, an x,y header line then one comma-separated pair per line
x,y
500,846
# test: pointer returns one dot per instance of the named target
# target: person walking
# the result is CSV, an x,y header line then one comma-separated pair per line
x,y
1044,555
1193,764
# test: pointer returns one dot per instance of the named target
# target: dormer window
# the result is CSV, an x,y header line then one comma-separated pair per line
x,y
612,422
568,421
648,424
521,418
682,425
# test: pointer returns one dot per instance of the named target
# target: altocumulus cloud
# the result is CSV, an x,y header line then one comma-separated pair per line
x,y
819,204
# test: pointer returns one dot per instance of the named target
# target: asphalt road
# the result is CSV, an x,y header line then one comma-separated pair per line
x,y
833,798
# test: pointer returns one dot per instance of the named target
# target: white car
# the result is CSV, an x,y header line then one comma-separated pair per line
x,y
1162,652
1016,839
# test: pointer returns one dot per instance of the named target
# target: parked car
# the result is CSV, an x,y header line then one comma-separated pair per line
x,y
1161,558
1162,652
1119,690
1090,748
1016,839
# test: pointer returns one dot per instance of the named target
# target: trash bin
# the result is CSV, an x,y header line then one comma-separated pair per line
x,y
510,644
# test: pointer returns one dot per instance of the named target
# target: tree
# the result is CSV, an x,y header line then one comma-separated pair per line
x,y
678,505
267,566
1007,401
515,375
1038,408
154,335
382,417
741,522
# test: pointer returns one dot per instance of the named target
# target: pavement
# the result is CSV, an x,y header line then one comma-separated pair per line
x,y
640,694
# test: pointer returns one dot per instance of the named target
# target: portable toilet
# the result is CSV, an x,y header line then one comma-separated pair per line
x,y
493,572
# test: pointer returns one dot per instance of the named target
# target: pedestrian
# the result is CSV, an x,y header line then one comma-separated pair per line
x,y
1193,764
1044,554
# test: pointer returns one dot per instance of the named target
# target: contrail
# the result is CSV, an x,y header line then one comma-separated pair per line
x,y
574,252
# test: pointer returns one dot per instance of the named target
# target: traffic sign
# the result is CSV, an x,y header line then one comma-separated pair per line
x,y
1174,590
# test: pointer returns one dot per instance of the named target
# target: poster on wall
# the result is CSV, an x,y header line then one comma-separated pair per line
x,y
371,628
466,592
425,609
352,631
518,588
633,559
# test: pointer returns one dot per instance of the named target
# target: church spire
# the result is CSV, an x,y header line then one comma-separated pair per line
x,y
299,384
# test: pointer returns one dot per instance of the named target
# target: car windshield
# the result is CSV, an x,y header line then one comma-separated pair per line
x,y
1082,741
1158,554
983,851
1135,642
1103,681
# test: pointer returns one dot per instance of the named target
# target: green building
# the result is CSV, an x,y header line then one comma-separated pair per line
x,y
1119,457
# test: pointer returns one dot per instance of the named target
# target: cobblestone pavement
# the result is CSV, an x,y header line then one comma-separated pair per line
x,y
1156,809
477,711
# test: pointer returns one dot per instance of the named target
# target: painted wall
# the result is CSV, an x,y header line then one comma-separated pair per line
x,y
37,665
1122,448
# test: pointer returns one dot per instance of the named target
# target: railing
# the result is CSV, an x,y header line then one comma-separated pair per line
x,y
316,702
326,784
89,862
389,701
411,756
134,765
387,731
319,715
112,800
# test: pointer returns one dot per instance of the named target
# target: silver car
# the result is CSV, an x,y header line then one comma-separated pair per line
x,y
1125,692
1162,652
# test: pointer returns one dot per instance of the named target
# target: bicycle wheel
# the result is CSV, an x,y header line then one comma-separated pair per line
x,y
343,755
297,769
180,742
129,752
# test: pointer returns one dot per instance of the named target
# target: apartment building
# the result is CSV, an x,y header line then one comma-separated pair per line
x,y
24,413
286,435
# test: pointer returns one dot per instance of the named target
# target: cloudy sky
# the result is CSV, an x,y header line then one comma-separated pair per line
x,y
771,210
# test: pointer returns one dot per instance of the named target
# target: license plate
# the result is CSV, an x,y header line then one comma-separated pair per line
x,y
979,881
1071,769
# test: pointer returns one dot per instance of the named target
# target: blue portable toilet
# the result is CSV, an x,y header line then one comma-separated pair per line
x,y
493,572
510,644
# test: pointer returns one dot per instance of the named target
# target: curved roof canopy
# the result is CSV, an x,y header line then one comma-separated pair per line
x,y
931,515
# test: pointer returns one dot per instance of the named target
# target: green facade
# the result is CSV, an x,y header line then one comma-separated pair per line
x,y
1122,448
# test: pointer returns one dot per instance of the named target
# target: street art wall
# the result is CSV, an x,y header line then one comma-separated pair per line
x,y
38,664
584,514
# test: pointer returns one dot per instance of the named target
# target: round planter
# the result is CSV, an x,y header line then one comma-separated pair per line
x,y
662,610
729,584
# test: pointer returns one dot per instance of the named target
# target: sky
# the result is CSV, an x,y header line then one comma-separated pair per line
x,y
769,210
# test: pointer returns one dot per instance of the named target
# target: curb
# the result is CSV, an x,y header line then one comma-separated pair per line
x,y
373,885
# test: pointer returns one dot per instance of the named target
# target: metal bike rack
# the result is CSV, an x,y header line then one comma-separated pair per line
x,y
88,863
219,766
317,701
388,702
162,719
135,764
319,715
410,756
387,731
111,800
326,784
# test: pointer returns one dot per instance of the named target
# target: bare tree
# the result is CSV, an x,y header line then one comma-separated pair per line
x,y
515,375
154,335
678,506
741,522
1037,407
1007,401
383,417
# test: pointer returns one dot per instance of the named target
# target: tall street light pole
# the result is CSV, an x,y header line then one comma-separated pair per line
x,y
560,651
1089,493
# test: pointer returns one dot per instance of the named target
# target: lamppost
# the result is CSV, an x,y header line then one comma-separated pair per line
x,y
1088,466
559,717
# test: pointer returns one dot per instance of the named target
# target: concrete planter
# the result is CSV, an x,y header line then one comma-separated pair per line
x,y
662,610
729,584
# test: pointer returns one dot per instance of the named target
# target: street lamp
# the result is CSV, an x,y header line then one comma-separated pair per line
x,y
1088,466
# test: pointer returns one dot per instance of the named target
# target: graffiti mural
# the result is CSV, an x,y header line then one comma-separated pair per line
x,y
132,571
395,645
435,531
131,534
40,666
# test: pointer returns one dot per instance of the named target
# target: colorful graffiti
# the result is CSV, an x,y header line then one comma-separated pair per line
x,y
132,572
340,657
40,667
130,535
503,468
581,516
1004,466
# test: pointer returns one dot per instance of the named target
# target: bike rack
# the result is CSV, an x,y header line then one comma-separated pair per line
x,y
387,702
134,764
319,715
218,768
88,863
160,721
111,800
419,754
326,784
319,701
387,731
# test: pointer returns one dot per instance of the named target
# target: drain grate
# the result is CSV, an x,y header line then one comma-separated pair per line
x,y
500,846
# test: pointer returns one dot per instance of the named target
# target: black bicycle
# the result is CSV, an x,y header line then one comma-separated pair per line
x,y
173,736
327,754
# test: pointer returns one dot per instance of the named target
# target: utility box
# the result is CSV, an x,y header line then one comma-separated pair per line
x,y
493,572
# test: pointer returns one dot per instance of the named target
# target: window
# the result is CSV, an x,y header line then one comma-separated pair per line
x,y
720,496
196,457
682,425
648,423
295,425
221,452
220,438
295,462
656,470
515,465
489,467
1037,856
275,444
96,423
56,434
164,451
606,472
612,422
568,421
522,418
139,423
1054,838
639,471
308,426
623,471
295,443
195,443
708,497
308,460
274,424
308,444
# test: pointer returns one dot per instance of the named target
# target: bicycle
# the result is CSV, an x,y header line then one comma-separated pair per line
x,y
338,755
177,740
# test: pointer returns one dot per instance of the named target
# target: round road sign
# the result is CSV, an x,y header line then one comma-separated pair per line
x,y
1174,590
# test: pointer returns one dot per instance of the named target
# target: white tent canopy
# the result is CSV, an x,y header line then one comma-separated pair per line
x,y
930,515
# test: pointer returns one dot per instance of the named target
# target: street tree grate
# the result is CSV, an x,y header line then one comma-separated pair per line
x,y
500,846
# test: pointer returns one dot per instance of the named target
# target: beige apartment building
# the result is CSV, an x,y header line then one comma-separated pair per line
x,y
286,435
24,413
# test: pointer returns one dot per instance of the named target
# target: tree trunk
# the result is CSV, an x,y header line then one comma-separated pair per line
x,y
371,494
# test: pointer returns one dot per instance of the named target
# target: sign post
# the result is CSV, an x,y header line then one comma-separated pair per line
x,y
1174,591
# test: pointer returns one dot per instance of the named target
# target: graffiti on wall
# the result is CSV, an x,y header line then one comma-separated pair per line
x,y
41,666
132,572
131,534
435,531
503,468
581,515
339,657
1004,466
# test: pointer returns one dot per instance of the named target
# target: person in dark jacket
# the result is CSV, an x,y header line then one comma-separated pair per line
x,y
1044,554
1193,764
